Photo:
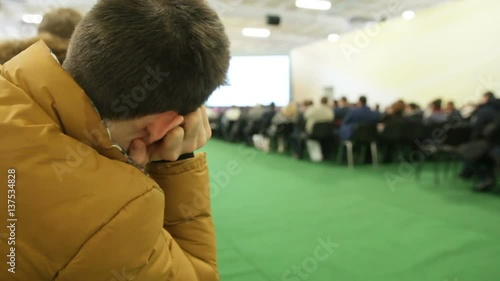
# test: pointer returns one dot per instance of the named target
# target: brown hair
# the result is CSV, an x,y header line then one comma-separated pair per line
x,y
60,22
137,58
55,30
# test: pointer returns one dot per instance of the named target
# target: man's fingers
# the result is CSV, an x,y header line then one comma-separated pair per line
x,y
192,127
172,144
138,152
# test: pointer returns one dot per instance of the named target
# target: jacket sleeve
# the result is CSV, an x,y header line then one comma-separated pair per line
x,y
187,211
133,245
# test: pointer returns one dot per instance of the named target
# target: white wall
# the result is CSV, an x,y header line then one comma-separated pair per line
x,y
450,51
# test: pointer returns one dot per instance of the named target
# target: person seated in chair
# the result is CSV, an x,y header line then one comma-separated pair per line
x,y
435,114
362,114
317,114
413,113
486,128
341,110
452,113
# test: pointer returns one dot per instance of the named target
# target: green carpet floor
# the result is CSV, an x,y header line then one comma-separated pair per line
x,y
274,215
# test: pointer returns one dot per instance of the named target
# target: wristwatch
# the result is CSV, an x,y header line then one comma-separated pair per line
x,y
182,157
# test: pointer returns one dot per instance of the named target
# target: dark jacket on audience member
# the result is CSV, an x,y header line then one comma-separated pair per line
x,y
341,112
484,115
359,115
415,117
436,117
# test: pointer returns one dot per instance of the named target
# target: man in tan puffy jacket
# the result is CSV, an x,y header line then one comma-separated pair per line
x,y
98,176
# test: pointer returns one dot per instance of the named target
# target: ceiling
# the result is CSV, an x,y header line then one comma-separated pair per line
x,y
298,26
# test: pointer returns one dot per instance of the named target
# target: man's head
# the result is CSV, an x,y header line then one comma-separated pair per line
x,y
436,105
343,102
60,22
151,56
362,101
152,59
487,97
324,101
450,107
411,108
398,108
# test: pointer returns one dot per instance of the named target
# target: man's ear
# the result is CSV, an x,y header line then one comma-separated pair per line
x,y
160,124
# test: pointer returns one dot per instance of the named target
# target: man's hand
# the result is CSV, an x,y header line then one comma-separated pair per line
x,y
186,138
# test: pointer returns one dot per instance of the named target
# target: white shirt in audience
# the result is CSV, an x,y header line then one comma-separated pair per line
x,y
233,114
316,114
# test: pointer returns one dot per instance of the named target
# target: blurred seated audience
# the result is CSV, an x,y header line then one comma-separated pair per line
x,y
341,110
287,115
232,114
299,132
256,113
268,115
362,114
281,126
452,113
229,120
55,30
435,114
316,114
413,113
479,153
394,112
467,110
212,114
485,113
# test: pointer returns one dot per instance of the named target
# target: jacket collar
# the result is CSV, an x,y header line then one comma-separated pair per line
x,y
49,85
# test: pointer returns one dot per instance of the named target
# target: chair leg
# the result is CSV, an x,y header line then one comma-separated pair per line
x,y
420,166
374,151
362,154
350,154
436,168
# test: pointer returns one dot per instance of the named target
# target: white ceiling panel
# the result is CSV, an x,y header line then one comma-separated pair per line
x,y
298,26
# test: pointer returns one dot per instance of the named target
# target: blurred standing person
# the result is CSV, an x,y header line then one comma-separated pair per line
x,y
55,30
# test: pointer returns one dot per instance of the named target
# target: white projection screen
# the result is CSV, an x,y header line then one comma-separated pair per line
x,y
255,80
